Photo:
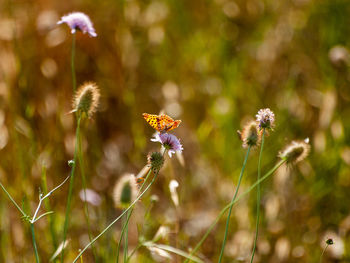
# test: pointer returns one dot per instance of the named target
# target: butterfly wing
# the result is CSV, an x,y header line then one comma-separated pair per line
x,y
152,120
161,123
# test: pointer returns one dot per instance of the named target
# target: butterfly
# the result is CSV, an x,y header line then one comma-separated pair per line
x,y
161,123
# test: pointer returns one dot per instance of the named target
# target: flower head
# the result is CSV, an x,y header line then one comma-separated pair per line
x,y
125,191
295,152
169,141
155,160
265,118
86,99
78,21
251,136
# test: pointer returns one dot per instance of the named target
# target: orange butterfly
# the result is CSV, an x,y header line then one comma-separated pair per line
x,y
161,123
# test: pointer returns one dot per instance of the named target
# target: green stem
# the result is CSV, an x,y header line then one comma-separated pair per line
x,y
233,199
126,238
70,191
116,220
86,208
74,82
232,203
13,201
48,207
34,243
258,197
122,232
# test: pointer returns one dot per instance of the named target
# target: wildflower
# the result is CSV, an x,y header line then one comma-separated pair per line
x,y
78,21
295,152
86,99
169,141
155,160
125,191
265,118
251,135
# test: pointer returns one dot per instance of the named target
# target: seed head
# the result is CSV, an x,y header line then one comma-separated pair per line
x,y
265,119
155,160
125,191
295,152
251,136
78,21
86,99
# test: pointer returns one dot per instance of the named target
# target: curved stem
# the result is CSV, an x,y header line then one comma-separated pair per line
x,y
70,191
34,243
116,220
231,205
258,197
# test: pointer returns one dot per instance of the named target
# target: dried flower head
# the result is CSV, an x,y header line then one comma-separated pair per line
x,y
86,99
169,141
251,136
78,21
295,152
125,191
155,160
265,119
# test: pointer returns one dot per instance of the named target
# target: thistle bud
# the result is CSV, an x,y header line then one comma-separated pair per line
x,y
155,160
250,136
86,99
295,152
125,191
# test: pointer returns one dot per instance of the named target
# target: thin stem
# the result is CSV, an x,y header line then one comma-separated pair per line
x,y
86,207
122,232
211,227
41,199
233,199
116,220
48,207
70,191
13,201
126,238
133,252
74,82
258,197
324,250
34,243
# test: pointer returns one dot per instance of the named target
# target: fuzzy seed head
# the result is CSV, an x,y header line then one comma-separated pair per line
x,y
295,152
251,136
125,191
155,160
265,119
86,99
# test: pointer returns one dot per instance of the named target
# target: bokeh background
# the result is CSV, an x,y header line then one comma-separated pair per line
x,y
212,64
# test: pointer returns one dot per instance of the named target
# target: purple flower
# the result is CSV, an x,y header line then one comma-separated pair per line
x,y
78,21
265,118
169,141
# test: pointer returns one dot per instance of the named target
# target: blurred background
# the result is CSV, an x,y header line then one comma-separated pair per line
x,y
212,64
